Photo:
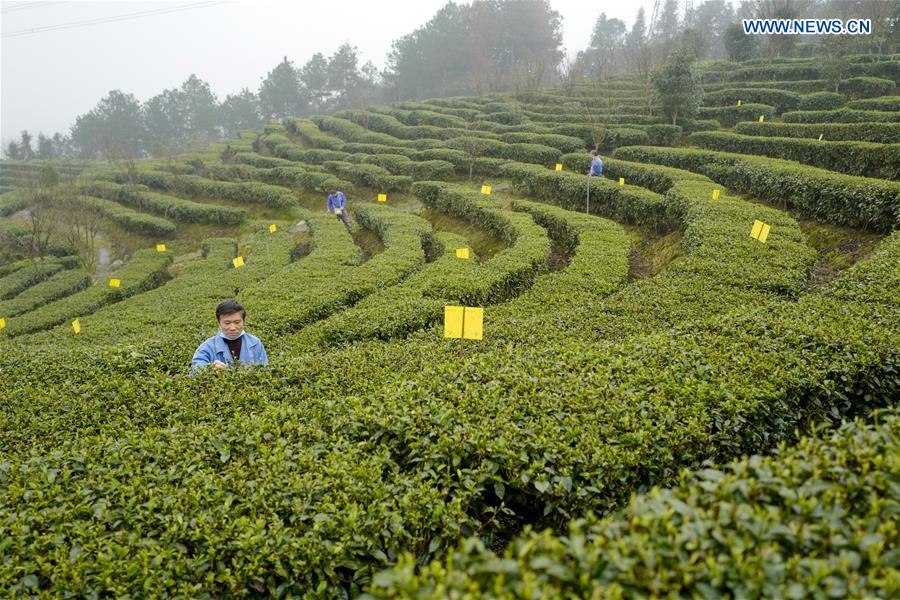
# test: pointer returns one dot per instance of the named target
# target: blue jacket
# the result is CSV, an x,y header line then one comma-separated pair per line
x,y
252,352
337,201
596,167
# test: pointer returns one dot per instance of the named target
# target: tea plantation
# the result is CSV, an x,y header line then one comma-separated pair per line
x,y
661,404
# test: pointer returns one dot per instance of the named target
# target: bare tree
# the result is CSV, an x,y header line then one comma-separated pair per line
x,y
595,109
570,72
39,189
79,221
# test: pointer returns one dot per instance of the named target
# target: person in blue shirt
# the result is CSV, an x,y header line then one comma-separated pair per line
x,y
337,204
231,345
596,165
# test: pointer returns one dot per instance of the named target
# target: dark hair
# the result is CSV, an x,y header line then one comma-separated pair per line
x,y
593,153
228,307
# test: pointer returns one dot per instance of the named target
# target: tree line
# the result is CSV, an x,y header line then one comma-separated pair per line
x,y
465,49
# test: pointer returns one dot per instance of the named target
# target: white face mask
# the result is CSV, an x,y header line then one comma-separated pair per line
x,y
222,334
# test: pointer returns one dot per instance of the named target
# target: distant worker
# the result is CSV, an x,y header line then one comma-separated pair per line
x,y
231,345
596,165
337,203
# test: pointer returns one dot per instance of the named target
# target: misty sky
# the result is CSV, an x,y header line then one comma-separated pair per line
x,y
50,77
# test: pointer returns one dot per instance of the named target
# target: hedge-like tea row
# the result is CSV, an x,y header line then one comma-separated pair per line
x,y
598,268
128,219
416,169
418,301
311,134
464,113
289,154
58,285
841,115
145,270
728,116
389,130
882,103
21,279
170,207
750,528
576,192
713,228
882,133
815,193
329,280
563,143
521,152
284,173
853,158
199,187
858,82
822,101
802,86
866,87
17,265
351,132
561,118
369,175
185,305
875,281
781,100
393,312
331,251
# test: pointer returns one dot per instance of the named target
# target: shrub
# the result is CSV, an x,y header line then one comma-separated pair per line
x,y
866,87
814,193
882,103
821,101
841,115
729,115
560,142
882,133
623,136
781,100
171,207
857,158
662,135
657,544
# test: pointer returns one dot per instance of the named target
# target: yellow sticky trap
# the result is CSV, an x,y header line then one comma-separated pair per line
x,y
160,247
466,322
739,102
462,253
382,197
757,227
621,181
486,190
760,231
453,321
238,262
558,166
273,228
473,321
762,118
2,323
76,326
114,283
821,135
715,195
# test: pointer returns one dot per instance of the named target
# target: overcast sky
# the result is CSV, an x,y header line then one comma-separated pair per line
x,y
50,77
